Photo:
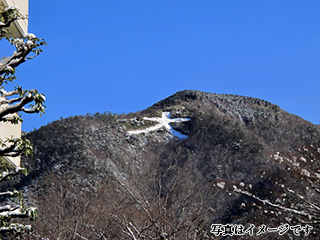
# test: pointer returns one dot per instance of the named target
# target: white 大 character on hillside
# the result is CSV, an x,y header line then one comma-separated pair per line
x,y
163,122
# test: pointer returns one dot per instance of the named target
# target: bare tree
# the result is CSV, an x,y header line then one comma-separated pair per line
x,y
170,207
295,194
132,207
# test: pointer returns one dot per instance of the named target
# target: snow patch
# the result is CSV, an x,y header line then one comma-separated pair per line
x,y
303,159
278,157
163,122
30,36
305,172
221,185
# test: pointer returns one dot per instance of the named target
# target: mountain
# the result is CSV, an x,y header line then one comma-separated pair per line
x,y
240,161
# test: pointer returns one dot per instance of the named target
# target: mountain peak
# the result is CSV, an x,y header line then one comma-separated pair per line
x,y
191,95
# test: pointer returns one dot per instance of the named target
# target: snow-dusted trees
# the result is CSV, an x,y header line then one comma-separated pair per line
x,y
12,103
131,202
170,212
293,194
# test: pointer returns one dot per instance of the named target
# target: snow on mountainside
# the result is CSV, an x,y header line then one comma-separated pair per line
x,y
244,161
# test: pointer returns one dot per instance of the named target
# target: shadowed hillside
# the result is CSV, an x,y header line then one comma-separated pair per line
x,y
245,161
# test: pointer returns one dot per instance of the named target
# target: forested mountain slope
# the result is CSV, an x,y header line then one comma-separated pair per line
x,y
244,161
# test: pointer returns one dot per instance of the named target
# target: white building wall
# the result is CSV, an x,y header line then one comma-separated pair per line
x,y
20,27
9,130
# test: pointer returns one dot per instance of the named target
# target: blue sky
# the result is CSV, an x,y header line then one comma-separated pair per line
x,y
123,56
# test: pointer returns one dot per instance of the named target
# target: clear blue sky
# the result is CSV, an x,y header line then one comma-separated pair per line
x,y
123,56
